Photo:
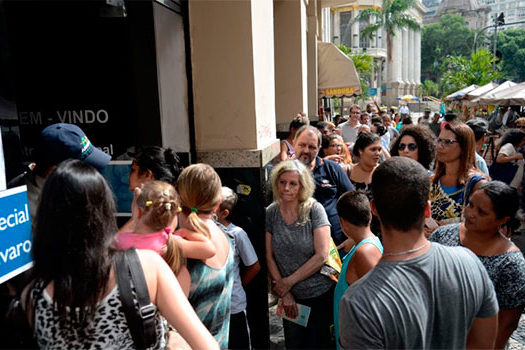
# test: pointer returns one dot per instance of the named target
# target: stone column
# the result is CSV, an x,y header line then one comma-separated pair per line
x,y
291,67
355,29
405,65
394,69
417,60
336,29
411,63
311,39
234,117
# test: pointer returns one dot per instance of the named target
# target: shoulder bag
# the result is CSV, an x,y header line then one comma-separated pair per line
x,y
141,317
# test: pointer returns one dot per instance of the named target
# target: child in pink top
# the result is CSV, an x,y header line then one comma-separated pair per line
x,y
155,210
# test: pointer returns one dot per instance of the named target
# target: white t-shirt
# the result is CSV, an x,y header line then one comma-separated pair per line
x,y
509,150
243,251
349,132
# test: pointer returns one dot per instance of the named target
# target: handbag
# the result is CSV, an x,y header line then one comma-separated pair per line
x,y
141,318
504,172
18,315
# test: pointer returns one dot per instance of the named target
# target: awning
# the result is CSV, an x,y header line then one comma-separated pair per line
x,y
501,87
337,74
480,91
461,93
513,96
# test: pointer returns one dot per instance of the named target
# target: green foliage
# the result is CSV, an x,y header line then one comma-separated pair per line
x,y
429,88
461,72
392,16
511,43
449,37
364,64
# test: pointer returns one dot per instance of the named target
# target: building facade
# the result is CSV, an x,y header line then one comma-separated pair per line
x,y
401,75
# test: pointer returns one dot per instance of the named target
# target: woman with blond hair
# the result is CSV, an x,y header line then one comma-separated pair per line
x,y
456,174
297,244
199,189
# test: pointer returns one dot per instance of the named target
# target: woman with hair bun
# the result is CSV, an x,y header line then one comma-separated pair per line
x,y
490,218
297,244
154,163
199,189
151,163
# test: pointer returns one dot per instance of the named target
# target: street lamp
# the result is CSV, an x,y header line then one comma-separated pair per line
x,y
498,21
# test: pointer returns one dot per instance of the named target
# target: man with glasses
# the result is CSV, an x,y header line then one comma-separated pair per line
x,y
330,179
349,129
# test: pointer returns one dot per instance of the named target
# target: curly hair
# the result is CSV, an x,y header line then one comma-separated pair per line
x,y
425,140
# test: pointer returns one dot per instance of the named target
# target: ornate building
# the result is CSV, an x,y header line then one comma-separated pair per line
x,y
476,15
401,75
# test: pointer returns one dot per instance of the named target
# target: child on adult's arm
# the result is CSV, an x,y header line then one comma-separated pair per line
x,y
355,216
239,331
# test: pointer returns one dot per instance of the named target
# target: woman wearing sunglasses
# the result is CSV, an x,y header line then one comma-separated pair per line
x,y
416,142
456,174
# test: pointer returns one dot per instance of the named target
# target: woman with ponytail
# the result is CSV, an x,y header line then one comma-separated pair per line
x,y
199,189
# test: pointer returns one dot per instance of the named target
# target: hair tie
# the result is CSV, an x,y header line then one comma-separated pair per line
x,y
148,203
179,209
167,230
195,210
167,206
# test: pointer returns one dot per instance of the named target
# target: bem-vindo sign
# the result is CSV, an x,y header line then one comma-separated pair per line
x,y
15,233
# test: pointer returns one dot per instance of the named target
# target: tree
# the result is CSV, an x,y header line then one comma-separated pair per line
x,y
429,88
392,17
364,64
461,72
449,37
511,43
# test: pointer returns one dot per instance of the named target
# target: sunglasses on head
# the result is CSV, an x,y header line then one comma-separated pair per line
x,y
411,146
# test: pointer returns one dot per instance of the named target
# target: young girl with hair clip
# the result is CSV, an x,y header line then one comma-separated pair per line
x,y
157,207
199,188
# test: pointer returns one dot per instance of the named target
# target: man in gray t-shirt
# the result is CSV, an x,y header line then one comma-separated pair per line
x,y
420,295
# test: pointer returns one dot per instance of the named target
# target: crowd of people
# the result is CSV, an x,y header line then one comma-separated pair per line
x,y
421,233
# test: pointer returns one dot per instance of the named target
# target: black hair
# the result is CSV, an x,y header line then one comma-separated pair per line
x,y
505,201
376,119
298,122
400,189
354,207
450,116
426,145
75,227
162,162
321,125
380,129
513,136
364,139
325,141
407,121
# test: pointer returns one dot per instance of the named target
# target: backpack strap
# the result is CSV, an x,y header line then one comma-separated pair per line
x,y
141,320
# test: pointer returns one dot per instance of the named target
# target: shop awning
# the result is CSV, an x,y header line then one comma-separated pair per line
x,y
512,96
501,87
337,74
461,93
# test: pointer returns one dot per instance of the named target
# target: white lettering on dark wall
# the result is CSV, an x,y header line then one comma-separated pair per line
x,y
30,118
83,116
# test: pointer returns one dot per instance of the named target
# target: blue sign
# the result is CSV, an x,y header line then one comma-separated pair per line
x,y
15,233
371,91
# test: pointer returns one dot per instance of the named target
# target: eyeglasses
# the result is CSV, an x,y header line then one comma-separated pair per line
x,y
520,126
411,146
446,142
336,146
355,112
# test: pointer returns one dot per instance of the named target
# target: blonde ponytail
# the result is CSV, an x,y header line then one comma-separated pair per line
x,y
174,256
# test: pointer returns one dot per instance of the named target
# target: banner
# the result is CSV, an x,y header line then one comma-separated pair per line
x,y
15,233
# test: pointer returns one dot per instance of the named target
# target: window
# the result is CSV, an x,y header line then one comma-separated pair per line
x,y
345,26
